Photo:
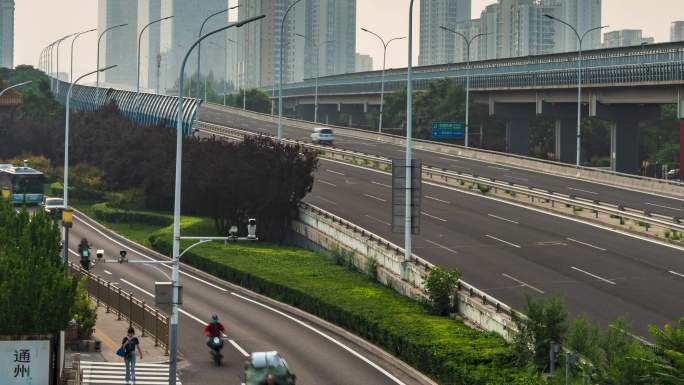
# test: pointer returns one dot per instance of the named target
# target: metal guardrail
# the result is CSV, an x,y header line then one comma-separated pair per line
x,y
443,177
149,109
470,152
147,318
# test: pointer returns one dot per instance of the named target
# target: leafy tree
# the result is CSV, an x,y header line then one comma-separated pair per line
x,y
85,314
545,323
669,368
35,294
439,287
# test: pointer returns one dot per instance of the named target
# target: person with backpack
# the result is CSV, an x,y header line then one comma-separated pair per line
x,y
129,345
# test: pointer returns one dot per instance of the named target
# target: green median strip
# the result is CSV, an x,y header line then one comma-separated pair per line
x,y
444,349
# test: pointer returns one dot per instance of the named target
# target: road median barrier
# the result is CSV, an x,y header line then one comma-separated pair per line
x,y
619,217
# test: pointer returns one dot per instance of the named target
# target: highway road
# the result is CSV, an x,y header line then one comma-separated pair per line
x,y
510,251
589,190
315,353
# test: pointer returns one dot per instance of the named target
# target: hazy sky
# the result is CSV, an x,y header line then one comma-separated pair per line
x,y
39,22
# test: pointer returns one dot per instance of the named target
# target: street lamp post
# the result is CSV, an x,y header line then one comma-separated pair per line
x,y
199,49
57,70
239,68
468,42
66,155
280,80
173,320
97,80
15,86
408,255
580,39
317,48
71,69
137,88
382,82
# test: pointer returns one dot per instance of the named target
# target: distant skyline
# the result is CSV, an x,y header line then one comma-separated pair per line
x,y
36,26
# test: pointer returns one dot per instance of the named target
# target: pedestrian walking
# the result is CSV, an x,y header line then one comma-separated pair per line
x,y
130,344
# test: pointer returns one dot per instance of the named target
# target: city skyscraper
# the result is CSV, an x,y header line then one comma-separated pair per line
x,y
436,45
119,46
677,31
625,38
364,63
332,21
150,58
7,33
583,15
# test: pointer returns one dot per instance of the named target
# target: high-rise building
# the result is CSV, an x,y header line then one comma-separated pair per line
x,y
436,45
583,15
330,37
489,28
677,31
469,29
178,33
118,46
150,57
7,33
625,38
364,63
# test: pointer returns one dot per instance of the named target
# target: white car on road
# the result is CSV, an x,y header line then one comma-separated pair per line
x,y
322,135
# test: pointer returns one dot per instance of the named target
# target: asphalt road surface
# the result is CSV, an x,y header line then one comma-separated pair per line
x,y
589,190
315,354
511,252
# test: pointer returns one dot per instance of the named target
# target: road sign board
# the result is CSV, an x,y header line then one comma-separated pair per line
x,y
448,130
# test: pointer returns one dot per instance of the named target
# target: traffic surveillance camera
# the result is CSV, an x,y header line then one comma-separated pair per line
x,y
100,254
251,228
122,257
233,231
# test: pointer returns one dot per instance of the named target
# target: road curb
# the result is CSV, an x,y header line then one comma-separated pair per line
x,y
396,365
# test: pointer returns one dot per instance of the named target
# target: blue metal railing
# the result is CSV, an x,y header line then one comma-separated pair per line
x,y
151,109
649,64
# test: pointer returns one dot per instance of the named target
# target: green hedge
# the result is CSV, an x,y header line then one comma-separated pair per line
x,y
107,214
444,349
56,189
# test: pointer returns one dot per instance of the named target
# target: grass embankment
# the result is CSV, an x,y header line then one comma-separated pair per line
x,y
444,349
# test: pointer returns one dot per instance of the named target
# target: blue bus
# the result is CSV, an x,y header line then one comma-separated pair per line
x,y
25,184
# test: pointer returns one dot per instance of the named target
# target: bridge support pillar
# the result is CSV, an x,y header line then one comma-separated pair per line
x,y
518,136
624,146
566,140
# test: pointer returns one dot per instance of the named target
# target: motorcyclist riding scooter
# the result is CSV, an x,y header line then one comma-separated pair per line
x,y
84,252
213,331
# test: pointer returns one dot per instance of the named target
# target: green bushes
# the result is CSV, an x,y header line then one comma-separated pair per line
x,y
84,312
439,287
105,213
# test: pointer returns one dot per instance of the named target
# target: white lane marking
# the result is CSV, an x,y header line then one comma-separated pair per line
x,y
432,216
374,197
448,159
502,241
328,183
378,220
335,172
129,283
503,219
441,246
586,244
147,257
108,272
437,199
584,191
677,274
325,199
664,207
381,184
523,283
518,178
594,275
540,211
239,348
327,337
499,168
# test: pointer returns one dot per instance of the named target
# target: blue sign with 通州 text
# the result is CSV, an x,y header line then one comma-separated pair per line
x,y
448,130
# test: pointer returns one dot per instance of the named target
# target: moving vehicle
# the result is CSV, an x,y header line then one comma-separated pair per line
x,y
25,184
322,135
261,364
216,344
53,206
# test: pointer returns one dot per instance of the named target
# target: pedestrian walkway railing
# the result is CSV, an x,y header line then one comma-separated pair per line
x,y
126,307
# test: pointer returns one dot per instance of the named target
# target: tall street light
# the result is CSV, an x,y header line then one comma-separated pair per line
x,y
317,47
280,80
76,36
66,154
382,82
199,48
408,255
173,321
137,88
244,91
15,86
97,81
58,43
580,39
468,42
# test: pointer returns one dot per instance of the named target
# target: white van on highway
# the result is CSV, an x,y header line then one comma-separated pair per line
x,y
322,135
